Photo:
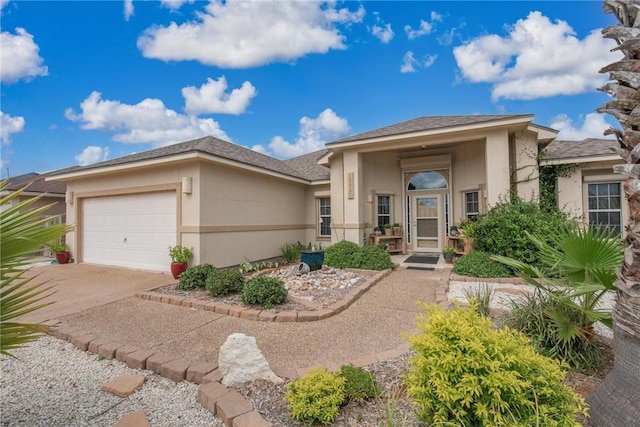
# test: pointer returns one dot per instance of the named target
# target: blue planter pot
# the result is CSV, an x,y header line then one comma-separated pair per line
x,y
314,259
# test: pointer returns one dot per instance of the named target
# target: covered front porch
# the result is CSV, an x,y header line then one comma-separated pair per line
x,y
429,180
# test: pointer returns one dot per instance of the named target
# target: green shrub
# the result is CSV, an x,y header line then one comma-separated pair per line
x,y
372,258
290,252
359,384
341,254
346,254
501,231
195,277
480,264
467,372
317,396
535,315
224,281
264,290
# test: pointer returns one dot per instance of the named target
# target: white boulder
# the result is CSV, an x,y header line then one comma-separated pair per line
x,y
240,360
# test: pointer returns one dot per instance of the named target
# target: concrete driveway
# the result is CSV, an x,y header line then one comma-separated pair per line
x,y
78,287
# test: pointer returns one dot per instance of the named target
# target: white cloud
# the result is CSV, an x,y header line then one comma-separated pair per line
x,y
3,3
149,121
8,126
175,4
128,9
241,34
384,34
212,97
92,154
408,63
593,126
424,28
19,57
312,136
536,59
429,60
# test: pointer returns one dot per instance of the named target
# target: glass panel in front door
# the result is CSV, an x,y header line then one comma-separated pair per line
x,y
426,226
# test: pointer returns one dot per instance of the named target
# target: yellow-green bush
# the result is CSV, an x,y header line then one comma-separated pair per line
x,y
317,396
468,373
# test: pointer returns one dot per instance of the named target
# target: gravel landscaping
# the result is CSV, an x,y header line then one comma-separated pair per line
x,y
51,383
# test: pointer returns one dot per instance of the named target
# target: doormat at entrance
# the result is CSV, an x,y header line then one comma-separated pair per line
x,y
421,268
423,259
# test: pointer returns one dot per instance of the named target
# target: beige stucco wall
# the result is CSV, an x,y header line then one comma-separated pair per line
x,y
469,174
571,190
247,216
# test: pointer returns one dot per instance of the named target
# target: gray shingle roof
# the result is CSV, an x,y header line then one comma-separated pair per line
x,y
426,123
561,149
36,184
307,165
219,148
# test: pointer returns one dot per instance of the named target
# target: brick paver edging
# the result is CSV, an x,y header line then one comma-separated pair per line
x,y
267,315
227,404
511,280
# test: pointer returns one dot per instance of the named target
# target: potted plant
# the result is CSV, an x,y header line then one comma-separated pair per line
x,y
448,254
180,256
61,250
453,230
397,230
387,230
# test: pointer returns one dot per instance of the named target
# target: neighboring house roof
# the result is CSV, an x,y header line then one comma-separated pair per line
x,y
218,148
562,150
307,165
426,123
36,184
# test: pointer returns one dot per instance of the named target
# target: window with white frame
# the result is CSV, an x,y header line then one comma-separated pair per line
x,y
384,210
605,205
324,216
471,204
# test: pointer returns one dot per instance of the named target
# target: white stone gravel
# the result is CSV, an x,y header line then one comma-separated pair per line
x,y
52,383
501,300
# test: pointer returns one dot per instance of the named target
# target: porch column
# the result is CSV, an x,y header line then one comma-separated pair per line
x,y
497,167
352,196
526,166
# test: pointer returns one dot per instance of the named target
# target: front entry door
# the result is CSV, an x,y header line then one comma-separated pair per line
x,y
426,223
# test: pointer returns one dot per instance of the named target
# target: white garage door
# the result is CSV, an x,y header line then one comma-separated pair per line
x,y
130,231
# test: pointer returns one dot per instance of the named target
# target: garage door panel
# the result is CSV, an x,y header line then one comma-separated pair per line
x,y
130,231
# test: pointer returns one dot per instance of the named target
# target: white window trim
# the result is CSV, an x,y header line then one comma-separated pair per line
x,y
605,179
320,216
464,202
389,194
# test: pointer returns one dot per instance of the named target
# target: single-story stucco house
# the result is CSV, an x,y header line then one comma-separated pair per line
x,y
233,204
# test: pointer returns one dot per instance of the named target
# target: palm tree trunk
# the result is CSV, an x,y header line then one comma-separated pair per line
x,y
616,401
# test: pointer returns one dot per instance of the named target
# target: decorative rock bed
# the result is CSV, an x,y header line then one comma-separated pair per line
x,y
505,291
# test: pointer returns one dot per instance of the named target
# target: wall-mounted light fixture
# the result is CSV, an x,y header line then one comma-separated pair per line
x,y
68,197
186,184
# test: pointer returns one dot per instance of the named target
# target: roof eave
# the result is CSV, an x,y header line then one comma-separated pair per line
x,y
514,121
545,134
586,159
169,159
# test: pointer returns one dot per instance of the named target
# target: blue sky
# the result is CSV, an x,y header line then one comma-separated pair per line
x,y
86,81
